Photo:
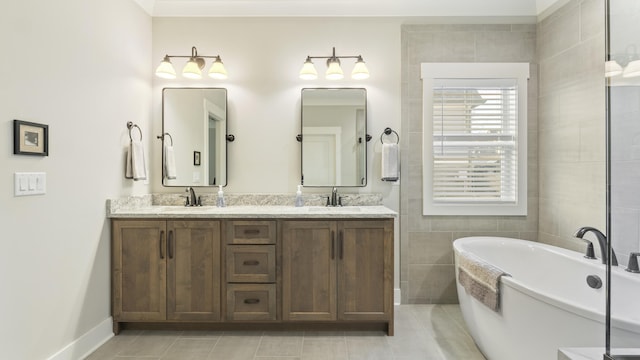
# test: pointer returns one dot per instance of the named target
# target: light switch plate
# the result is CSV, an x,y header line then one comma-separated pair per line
x,y
30,183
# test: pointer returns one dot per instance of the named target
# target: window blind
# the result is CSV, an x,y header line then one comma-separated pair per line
x,y
475,141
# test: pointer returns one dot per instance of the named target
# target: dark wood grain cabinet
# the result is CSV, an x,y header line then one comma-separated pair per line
x,y
338,270
279,271
165,270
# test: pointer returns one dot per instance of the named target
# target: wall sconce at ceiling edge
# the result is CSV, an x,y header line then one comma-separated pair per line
x,y
334,70
626,64
193,67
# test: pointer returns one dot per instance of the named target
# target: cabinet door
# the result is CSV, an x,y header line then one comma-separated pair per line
x,y
309,270
365,270
193,270
139,265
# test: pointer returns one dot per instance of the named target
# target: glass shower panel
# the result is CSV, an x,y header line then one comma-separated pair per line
x,y
622,71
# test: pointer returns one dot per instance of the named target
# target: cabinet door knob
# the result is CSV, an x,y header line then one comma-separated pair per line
x,y
251,262
251,231
251,301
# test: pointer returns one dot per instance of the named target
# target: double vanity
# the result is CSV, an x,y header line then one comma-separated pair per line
x,y
250,267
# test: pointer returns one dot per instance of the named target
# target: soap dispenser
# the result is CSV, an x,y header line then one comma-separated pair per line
x,y
299,200
220,202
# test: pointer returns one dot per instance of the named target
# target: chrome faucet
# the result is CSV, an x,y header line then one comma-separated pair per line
x,y
192,200
602,241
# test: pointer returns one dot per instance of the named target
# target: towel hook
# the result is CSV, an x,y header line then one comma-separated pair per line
x,y
131,125
165,134
388,131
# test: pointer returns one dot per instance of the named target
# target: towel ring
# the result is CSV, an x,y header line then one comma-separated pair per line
x,y
388,131
131,125
165,134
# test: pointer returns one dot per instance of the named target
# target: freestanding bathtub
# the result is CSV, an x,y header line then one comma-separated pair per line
x,y
546,303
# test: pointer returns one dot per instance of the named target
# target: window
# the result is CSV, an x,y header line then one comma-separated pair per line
x,y
474,138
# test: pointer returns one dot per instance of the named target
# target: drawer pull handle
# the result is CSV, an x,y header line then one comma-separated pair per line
x,y
252,231
251,301
251,262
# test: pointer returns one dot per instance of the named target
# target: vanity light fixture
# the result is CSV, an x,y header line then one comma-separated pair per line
x,y
627,64
193,68
334,70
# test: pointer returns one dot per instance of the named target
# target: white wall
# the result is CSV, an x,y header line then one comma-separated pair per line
x,y
83,68
263,57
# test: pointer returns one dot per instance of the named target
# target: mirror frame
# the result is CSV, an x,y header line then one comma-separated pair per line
x,y
366,137
227,136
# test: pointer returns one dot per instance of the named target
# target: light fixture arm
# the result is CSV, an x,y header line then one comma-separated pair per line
x,y
333,56
194,54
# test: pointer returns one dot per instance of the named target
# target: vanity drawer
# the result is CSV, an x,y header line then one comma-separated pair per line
x,y
251,263
251,302
251,232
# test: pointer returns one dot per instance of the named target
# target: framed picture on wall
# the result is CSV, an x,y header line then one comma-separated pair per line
x,y
30,138
196,158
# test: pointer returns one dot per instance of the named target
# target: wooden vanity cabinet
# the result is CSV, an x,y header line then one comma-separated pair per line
x,y
249,271
338,270
165,271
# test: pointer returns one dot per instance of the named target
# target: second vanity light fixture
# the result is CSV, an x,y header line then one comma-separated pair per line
x,y
193,68
627,64
334,71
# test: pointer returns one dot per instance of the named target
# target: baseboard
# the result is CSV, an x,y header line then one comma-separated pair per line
x,y
397,297
87,343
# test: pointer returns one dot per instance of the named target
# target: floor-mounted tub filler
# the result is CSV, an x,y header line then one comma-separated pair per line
x,y
549,298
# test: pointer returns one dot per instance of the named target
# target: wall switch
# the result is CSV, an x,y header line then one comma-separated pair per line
x,y
32,183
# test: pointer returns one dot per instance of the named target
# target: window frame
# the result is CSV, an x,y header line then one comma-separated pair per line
x,y
498,71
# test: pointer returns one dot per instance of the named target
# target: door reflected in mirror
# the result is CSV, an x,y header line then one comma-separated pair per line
x,y
194,124
334,130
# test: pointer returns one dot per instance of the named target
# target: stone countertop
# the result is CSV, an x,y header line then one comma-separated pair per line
x,y
253,212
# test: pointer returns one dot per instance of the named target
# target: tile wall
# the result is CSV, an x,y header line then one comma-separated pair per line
x,y
571,123
426,255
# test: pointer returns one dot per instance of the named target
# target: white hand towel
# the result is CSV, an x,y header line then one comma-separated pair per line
x,y
136,167
169,162
390,162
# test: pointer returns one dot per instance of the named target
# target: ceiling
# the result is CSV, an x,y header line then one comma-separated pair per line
x,y
385,8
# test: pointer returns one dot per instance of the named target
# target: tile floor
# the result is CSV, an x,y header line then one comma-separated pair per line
x,y
422,332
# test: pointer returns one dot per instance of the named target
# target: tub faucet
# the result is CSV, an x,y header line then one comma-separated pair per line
x,y
602,241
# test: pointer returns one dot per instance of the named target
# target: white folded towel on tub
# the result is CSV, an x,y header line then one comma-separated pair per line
x,y
390,162
480,279
169,162
136,168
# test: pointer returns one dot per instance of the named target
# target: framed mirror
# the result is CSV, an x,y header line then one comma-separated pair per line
x,y
334,137
194,127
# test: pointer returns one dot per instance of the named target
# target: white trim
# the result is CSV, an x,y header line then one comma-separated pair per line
x,y
87,343
397,296
431,71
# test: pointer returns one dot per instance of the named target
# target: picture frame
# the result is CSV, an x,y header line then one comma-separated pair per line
x,y
196,158
30,138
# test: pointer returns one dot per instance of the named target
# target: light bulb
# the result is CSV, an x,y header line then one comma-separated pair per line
x,y
360,71
217,70
308,71
632,69
191,70
334,72
165,70
612,68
